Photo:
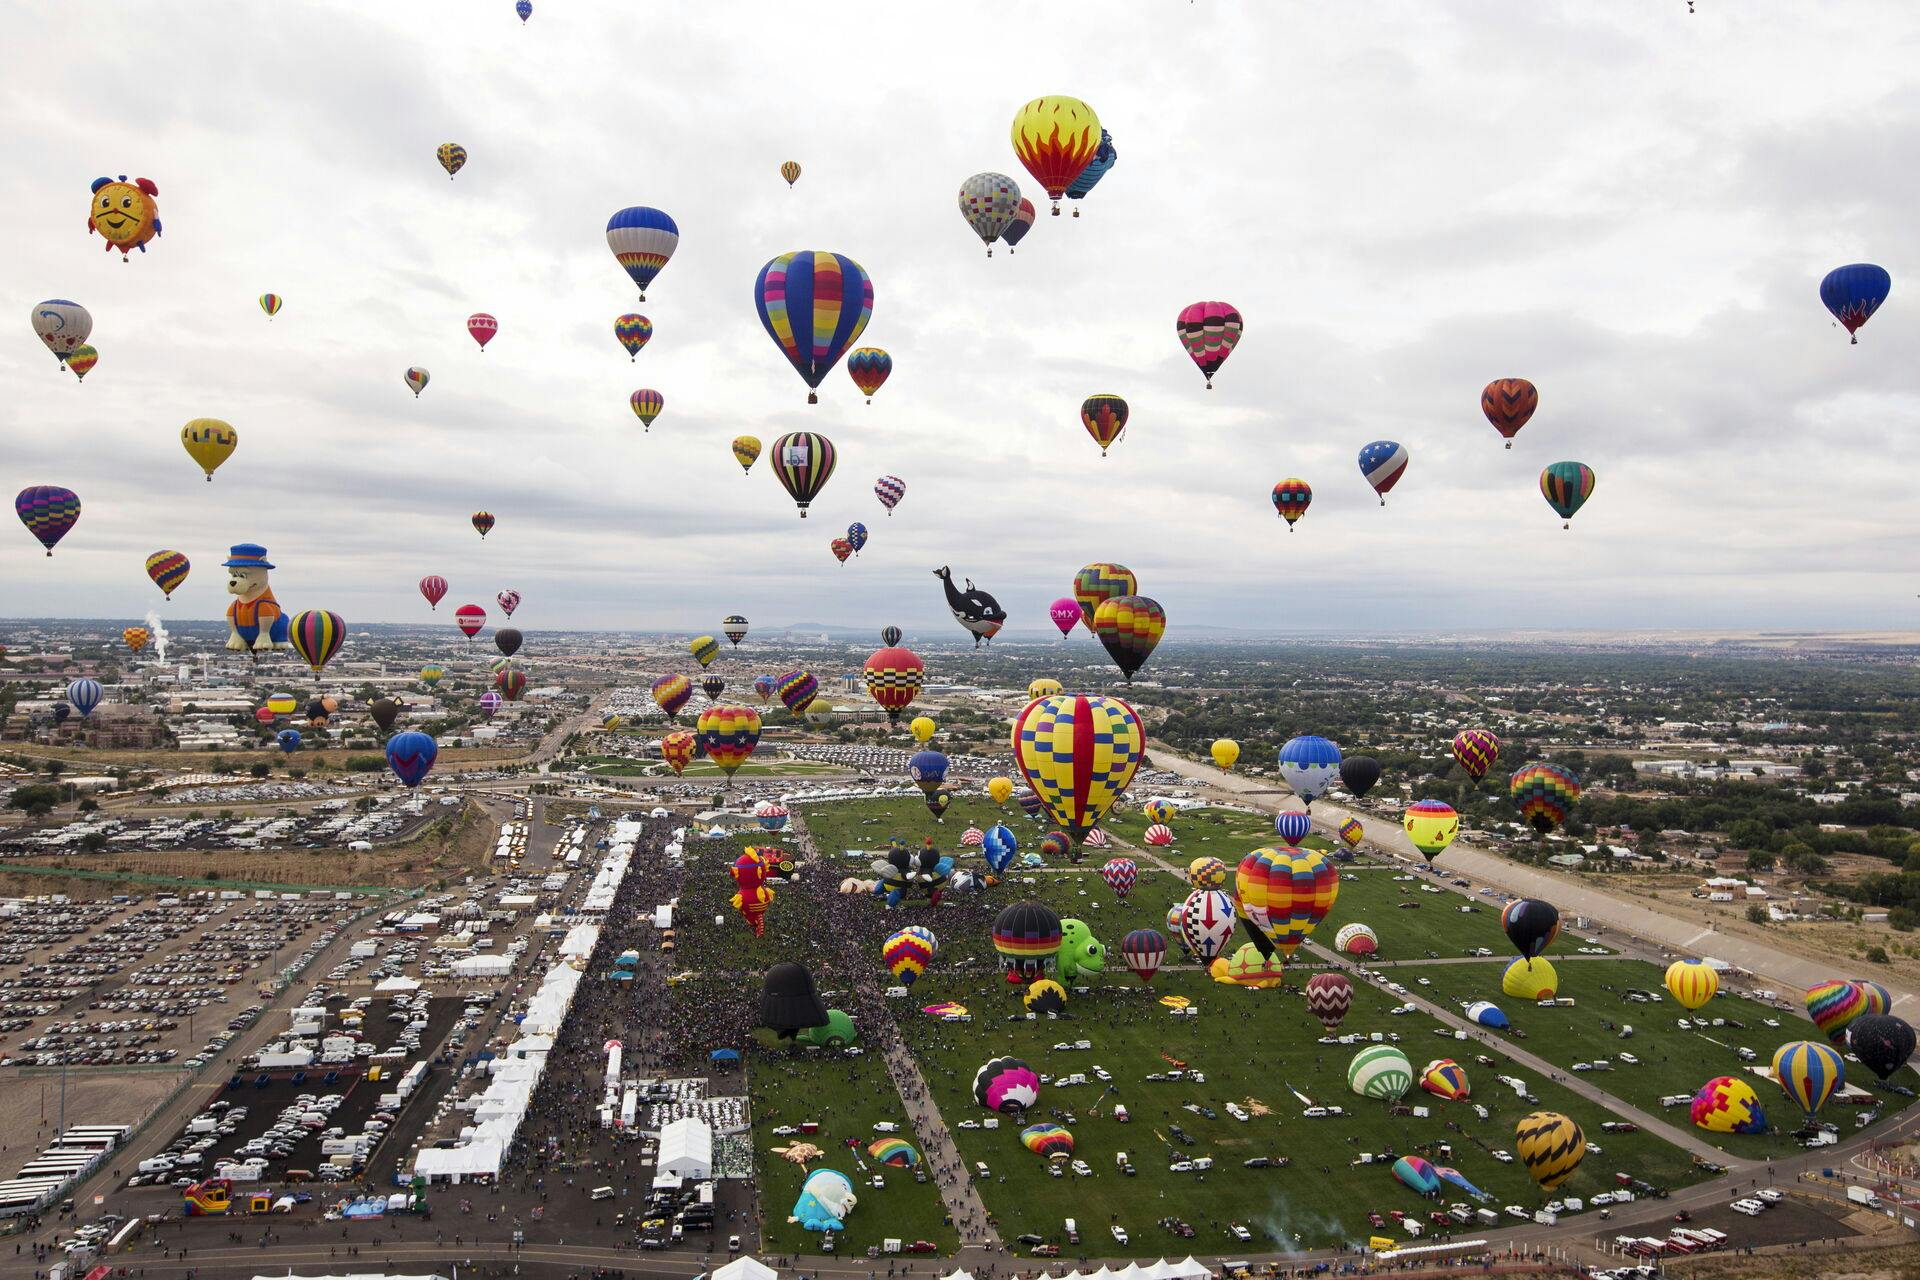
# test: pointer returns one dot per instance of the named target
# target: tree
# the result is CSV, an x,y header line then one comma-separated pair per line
x,y
261,770
89,805
1759,860
1757,914
36,801
1876,955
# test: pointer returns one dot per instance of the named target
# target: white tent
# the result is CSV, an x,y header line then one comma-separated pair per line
x,y
686,1149
458,1164
397,982
482,966
1189,1269
747,1269
958,1275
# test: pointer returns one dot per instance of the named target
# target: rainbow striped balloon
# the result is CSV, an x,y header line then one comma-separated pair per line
x,y
317,635
1285,893
1833,1004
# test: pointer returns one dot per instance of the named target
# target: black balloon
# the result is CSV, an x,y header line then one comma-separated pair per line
x,y
889,636
713,687
60,712
508,638
788,1001
1531,926
1358,774
384,712
1881,1041
937,802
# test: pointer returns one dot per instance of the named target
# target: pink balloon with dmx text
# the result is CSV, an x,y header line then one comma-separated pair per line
x,y
1065,613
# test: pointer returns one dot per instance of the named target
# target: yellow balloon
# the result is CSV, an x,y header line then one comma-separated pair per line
x,y
746,449
1692,982
924,728
136,638
1550,1145
209,442
1042,688
1226,752
1078,752
1000,789
1530,980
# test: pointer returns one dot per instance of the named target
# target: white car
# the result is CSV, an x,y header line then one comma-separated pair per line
x,y
1081,1169
1119,1233
1770,1195
1503,1157
1515,1211
785,1131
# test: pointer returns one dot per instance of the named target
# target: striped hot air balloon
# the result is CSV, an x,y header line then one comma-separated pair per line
x,y
728,736
814,305
168,569
317,635
1285,893
1545,793
1078,752
1475,751
1808,1072
1445,1078
803,462
1209,331
1692,983
48,511
1832,1005
1550,1145
1380,1071
642,239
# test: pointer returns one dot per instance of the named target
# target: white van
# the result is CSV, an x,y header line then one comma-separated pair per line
x,y
600,1193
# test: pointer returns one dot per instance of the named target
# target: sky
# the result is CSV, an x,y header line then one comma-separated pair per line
x,y
1627,204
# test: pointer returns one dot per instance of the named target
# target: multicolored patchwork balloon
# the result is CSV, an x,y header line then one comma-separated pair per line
x,y
48,511
1120,875
1209,331
1546,794
1078,752
1284,893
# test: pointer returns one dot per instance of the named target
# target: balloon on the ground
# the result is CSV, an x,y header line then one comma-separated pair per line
x,y
1509,404
1726,1104
1431,825
1081,955
1078,752
1550,1145
814,305
1530,980
1486,1014
998,846
1143,950
1051,1140
1027,936
1531,925
1159,835
1692,983
1006,1085
1380,1071
1250,967
1854,292
893,1151
1445,1078
1832,1005
642,240
1418,1174
789,1003
1356,939
1808,1073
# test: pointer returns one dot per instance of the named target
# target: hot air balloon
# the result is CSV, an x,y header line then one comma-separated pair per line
x,y
1078,752
734,628
790,170
1056,138
1031,805
1566,487
647,404
1206,922
483,522
632,331
1382,463
524,8
998,846
1832,1005
642,239
1129,627
417,379
763,687
136,638
788,1001
1487,1015
890,489
282,704
1159,809
1105,418
452,156
1431,825
803,463
1416,1173
508,602
1692,983
1358,774
1158,836
1329,996
1882,1042
1120,875
1291,498
1380,1071
1530,980
490,702
1027,936
126,214
385,712
869,367
1209,331
797,690
1054,1141
270,303
704,649
1225,752
1352,833
1475,750
470,618
1143,950
482,327
434,588
1098,582
1546,793
1021,223
988,202
1104,157
1309,764
411,755
1509,404
670,693
1727,1105
508,640
83,695
1065,613
62,326
814,305
1853,293
746,449
856,536
678,749
1293,825
908,953
999,789
1531,925
48,511
1808,1072
81,362
1445,1078
1550,1145
728,736
1879,999
168,569
317,635
1006,1085
976,610
209,442
893,680
288,740
1284,893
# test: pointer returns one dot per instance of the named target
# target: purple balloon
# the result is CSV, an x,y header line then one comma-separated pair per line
x,y
411,756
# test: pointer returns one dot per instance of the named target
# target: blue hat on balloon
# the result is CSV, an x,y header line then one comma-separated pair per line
x,y
246,555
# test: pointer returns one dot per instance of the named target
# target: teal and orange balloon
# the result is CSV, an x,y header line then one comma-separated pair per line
x,y
1291,498
814,305
1566,486
632,331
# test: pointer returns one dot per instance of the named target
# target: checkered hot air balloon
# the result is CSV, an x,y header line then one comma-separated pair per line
x,y
1291,498
1120,874
1352,833
632,331
1475,751
678,749
988,202
998,846
671,693
1728,1105
1099,582
1545,793
1285,893
1329,996
1129,628
890,489
1078,752
1209,331
797,690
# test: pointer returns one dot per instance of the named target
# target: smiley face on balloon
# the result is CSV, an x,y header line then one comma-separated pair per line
x,y
126,214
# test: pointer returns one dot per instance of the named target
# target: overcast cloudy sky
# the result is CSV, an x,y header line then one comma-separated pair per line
x,y
1627,204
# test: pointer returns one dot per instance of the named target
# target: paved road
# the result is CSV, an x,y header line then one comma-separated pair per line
x,y
936,1145
1574,896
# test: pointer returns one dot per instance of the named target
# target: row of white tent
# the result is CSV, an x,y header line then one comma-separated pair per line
x,y
1187,1269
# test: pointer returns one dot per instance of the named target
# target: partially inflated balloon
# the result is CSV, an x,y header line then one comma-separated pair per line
x,y
1056,138
1882,1042
1209,331
209,442
1692,983
1728,1105
1550,1145
642,240
1078,753
1834,1004
1129,627
1509,404
814,305
1530,980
